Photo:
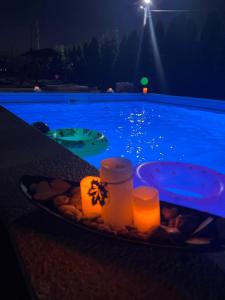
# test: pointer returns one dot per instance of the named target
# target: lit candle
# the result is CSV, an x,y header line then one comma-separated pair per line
x,y
146,209
117,173
145,90
89,196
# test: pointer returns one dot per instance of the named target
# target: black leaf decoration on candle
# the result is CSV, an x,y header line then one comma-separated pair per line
x,y
98,192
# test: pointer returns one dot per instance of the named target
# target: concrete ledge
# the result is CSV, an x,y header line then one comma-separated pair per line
x,y
199,103
24,150
73,98
59,97
21,143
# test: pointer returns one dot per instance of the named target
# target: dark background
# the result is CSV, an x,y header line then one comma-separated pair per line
x,y
99,44
72,21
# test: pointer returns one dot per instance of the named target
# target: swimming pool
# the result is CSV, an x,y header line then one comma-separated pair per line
x,y
139,130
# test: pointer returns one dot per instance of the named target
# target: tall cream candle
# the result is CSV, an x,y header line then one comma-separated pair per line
x,y
117,173
146,208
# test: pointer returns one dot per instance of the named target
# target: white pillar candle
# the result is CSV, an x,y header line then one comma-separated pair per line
x,y
146,208
118,174
89,208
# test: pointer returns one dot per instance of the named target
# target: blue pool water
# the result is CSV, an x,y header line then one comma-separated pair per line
x,y
140,131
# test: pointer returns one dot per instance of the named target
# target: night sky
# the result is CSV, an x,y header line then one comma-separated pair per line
x,y
71,21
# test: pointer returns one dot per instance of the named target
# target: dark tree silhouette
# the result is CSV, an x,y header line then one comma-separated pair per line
x,y
109,49
180,54
131,50
193,61
210,45
92,60
121,61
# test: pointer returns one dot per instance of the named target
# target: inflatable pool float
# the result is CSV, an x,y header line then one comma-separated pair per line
x,y
82,142
41,126
185,184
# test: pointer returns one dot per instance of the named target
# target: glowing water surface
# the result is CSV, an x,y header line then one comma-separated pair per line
x,y
140,131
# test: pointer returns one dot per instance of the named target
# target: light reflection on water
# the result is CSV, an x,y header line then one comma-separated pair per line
x,y
140,131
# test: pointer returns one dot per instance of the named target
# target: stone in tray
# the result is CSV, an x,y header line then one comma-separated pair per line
x,y
180,227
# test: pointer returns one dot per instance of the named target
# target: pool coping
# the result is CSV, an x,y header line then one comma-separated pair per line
x,y
79,98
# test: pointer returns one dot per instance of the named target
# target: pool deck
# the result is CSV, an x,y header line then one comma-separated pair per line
x,y
60,263
76,98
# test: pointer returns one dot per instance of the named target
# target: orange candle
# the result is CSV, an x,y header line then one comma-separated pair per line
x,y
90,207
146,209
145,90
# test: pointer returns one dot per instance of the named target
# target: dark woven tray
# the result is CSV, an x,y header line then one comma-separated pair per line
x,y
159,238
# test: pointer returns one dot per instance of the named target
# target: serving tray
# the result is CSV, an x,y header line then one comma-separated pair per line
x,y
181,228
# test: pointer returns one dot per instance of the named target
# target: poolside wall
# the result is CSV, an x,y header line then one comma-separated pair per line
x,y
76,98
